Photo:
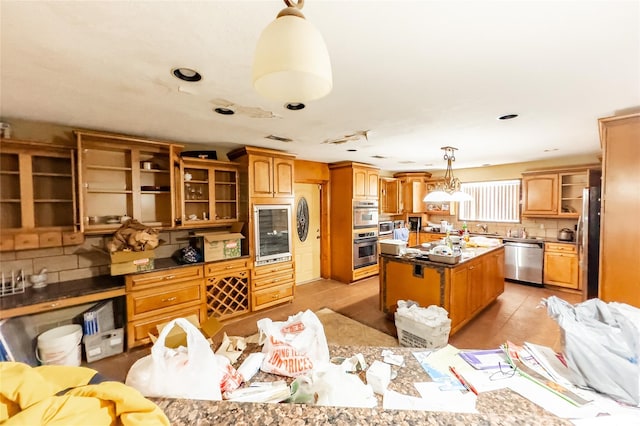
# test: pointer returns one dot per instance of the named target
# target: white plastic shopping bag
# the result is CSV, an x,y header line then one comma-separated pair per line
x,y
192,372
294,346
601,345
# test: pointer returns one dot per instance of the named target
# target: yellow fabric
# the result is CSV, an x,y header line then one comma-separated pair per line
x,y
28,397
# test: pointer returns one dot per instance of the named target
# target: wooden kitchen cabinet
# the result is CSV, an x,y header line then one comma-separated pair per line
x,y
228,287
413,187
425,237
365,182
272,284
389,195
270,172
463,290
38,205
619,225
121,175
557,193
208,192
561,265
157,297
349,182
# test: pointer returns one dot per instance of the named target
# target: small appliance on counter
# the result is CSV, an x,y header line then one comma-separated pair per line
x,y
565,234
385,227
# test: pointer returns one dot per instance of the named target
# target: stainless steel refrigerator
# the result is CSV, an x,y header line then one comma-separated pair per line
x,y
588,241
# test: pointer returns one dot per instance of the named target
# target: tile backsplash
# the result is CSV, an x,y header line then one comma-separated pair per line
x,y
81,261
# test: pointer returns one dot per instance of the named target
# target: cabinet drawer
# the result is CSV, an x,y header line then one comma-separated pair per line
x,y
138,331
264,298
72,238
50,239
365,272
262,271
225,267
561,248
273,279
26,241
6,243
145,302
151,279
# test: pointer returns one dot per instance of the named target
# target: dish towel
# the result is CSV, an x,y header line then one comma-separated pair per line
x,y
401,234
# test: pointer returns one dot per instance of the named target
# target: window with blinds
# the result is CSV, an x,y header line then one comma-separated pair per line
x,y
493,201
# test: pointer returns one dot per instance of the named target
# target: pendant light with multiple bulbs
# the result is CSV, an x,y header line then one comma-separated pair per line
x,y
291,62
449,189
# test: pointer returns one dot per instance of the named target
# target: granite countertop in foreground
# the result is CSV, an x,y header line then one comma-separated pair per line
x,y
501,407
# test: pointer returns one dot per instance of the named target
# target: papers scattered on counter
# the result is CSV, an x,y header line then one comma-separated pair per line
x,y
432,399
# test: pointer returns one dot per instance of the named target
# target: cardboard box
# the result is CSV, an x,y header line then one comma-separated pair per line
x,y
221,245
137,265
126,256
177,336
129,262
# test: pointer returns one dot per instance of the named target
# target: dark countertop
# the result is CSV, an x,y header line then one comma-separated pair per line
x,y
63,290
478,234
83,288
501,407
468,254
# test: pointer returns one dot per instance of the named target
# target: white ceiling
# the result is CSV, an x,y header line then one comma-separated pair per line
x,y
417,75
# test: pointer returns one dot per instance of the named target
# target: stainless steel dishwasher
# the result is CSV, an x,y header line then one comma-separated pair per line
x,y
523,259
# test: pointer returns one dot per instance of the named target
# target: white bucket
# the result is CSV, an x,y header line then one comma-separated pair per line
x,y
60,346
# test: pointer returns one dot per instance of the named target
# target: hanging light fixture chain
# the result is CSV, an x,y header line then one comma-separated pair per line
x,y
299,4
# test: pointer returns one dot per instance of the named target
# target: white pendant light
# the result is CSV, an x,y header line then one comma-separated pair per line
x,y
449,189
291,62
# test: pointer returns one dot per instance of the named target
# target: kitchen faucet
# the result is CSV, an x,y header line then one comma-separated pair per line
x,y
484,227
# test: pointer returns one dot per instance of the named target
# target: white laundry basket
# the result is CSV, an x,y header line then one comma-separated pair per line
x,y
60,346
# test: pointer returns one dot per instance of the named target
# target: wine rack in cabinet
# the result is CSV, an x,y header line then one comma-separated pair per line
x,y
227,288
124,176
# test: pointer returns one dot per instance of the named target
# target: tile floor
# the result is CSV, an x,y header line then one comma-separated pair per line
x,y
515,316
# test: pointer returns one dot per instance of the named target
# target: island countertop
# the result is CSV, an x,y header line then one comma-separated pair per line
x,y
501,407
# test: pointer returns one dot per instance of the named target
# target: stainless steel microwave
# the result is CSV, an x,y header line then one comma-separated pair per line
x,y
365,214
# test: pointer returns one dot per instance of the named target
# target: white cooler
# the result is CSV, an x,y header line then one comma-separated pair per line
x,y
392,246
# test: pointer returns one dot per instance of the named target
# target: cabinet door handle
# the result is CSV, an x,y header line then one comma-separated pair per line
x,y
228,267
276,296
169,299
275,280
169,277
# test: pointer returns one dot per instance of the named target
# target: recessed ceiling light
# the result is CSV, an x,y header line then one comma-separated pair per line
x,y
186,74
507,116
224,111
352,150
407,162
294,106
486,164
379,157
550,149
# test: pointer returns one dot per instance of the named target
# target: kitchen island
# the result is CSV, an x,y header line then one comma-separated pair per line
x,y
501,407
463,289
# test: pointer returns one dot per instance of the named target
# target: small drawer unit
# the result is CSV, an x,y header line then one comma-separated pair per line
x,y
272,284
227,287
561,265
157,297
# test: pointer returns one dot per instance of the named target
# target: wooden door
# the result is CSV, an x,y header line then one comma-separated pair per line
x,y
619,226
372,184
540,195
261,172
282,177
359,183
307,234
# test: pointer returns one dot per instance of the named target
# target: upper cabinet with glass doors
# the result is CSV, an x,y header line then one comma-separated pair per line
x,y
208,192
122,176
